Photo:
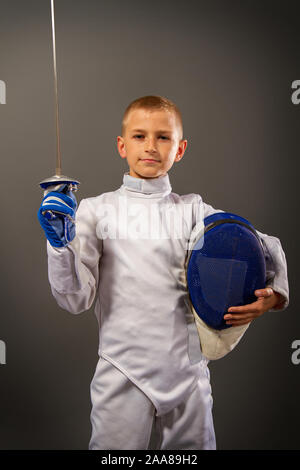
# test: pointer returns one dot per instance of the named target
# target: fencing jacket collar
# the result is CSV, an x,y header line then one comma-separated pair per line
x,y
156,186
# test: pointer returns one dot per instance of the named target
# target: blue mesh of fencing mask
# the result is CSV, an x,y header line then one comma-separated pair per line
x,y
224,268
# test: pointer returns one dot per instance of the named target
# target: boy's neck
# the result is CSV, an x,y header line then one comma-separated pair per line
x,y
135,175
160,184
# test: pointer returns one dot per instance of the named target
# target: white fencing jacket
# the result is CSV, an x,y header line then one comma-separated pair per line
x,y
129,254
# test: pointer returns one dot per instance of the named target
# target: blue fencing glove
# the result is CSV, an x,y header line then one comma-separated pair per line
x,y
57,216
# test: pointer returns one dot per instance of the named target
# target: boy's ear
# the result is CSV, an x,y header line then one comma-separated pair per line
x,y
121,146
181,150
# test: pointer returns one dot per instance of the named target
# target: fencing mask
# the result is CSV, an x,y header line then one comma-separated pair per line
x,y
224,267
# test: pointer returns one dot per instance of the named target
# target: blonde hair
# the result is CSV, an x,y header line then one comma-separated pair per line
x,y
152,102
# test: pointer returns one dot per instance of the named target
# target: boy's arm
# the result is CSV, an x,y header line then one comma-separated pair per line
x,y
276,264
73,270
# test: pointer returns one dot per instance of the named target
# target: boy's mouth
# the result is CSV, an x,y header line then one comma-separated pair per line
x,y
149,160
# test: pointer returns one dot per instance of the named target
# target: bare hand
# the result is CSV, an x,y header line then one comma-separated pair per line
x,y
266,299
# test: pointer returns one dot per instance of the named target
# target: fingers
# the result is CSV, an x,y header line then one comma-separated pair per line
x,y
267,292
243,314
59,203
239,316
244,317
248,308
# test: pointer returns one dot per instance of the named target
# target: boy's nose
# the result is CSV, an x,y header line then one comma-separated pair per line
x,y
150,145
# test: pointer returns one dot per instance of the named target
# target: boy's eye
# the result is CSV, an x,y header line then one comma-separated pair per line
x,y
140,136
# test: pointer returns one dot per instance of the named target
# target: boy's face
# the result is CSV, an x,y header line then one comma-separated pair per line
x,y
151,142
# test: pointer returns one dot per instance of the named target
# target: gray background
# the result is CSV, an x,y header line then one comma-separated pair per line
x,y
229,67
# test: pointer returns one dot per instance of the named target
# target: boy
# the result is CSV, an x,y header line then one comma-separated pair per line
x,y
151,387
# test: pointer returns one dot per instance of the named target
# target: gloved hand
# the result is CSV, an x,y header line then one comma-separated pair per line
x,y
57,215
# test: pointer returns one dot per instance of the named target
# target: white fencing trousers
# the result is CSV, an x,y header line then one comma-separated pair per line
x,y
123,417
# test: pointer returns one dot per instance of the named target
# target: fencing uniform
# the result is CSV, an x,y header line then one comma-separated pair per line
x,y
129,254
123,417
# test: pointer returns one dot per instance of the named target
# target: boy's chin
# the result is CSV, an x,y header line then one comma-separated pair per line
x,y
146,173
